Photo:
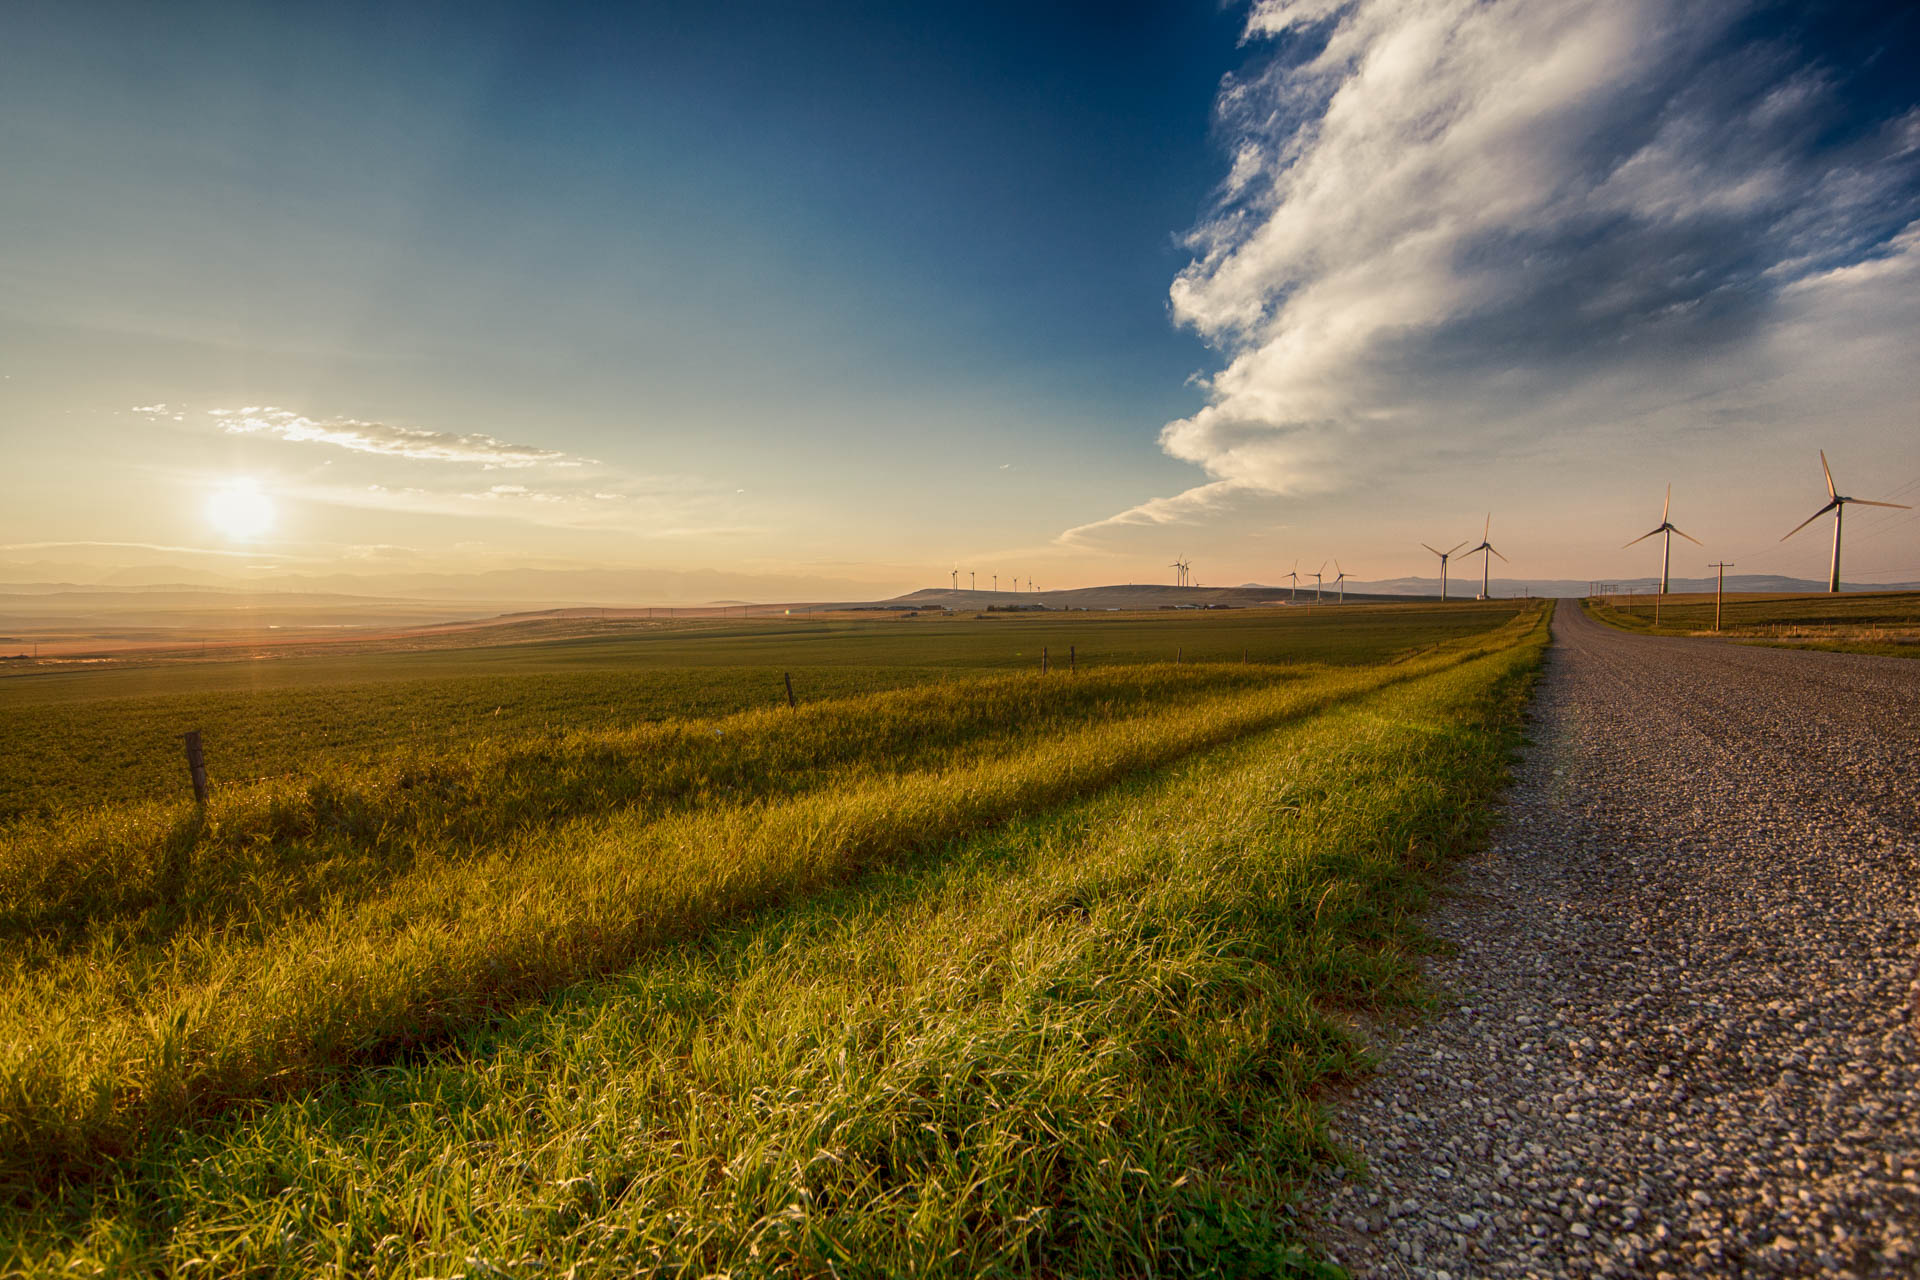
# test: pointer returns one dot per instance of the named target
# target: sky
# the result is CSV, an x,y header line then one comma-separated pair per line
x,y
837,298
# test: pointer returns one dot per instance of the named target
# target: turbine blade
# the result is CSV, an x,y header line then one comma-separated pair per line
x,y
1690,538
1668,508
1457,548
1437,551
1831,492
1865,503
1503,558
1642,538
1809,520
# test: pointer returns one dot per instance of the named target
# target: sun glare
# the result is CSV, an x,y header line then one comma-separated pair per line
x,y
240,509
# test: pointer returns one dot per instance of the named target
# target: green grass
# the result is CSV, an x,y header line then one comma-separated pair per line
x,y
1882,622
109,735
1043,994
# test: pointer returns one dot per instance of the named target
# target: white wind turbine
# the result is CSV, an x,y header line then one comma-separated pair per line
x,y
1293,578
1444,557
1340,581
1837,505
1317,575
1486,564
1666,543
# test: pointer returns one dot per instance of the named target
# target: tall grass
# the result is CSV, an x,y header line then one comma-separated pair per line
x,y
106,1044
1081,1041
264,850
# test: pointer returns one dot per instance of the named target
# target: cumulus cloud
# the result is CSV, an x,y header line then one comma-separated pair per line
x,y
1449,225
387,440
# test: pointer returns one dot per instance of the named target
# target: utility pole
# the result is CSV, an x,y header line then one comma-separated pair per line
x,y
1719,589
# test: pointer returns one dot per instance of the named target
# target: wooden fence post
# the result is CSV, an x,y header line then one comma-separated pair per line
x,y
1072,665
788,677
196,766
1043,659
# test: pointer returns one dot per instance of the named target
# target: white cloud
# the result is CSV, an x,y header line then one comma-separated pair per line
x,y
1181,509
1449,226
387,440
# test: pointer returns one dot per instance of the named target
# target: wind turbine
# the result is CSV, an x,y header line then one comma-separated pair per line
x,y
1444,557
1293,592
956,577
1486,564
973,580
996,584
1666,544
1838,505
1317,575
1341,581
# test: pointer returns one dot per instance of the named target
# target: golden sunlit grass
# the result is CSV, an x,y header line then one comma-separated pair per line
x,y
1012,975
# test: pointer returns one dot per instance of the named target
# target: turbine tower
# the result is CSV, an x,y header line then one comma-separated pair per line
x,y
1444,557
1317,575
1666,543
1486,564
1838,505
1293,576
956,577
1341,581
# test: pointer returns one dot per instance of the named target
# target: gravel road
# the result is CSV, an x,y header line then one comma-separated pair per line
x,y
1680,1037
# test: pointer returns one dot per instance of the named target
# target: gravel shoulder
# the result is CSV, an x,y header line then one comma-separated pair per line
x,y
1679,1036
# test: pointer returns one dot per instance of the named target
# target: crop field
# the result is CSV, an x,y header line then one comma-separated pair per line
x,y
955,969
1879,622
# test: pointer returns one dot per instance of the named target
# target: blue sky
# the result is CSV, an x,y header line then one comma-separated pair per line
x,y
856,292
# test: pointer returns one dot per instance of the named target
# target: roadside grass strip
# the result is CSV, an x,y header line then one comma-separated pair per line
x,y
1082,1040
1882,624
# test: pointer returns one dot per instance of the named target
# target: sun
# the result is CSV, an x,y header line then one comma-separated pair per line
x,y
240,509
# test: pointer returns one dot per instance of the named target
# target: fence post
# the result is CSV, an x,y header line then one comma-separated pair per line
x,y
1043,659
1072,666
788,677
196,766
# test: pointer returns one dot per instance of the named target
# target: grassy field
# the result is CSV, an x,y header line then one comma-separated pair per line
x,y
1881,622
111,733
985,972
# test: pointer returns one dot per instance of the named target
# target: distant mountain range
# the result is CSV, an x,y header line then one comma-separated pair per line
x,y
341,601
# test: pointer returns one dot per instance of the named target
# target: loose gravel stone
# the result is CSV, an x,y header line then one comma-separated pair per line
x,y
1682,1040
